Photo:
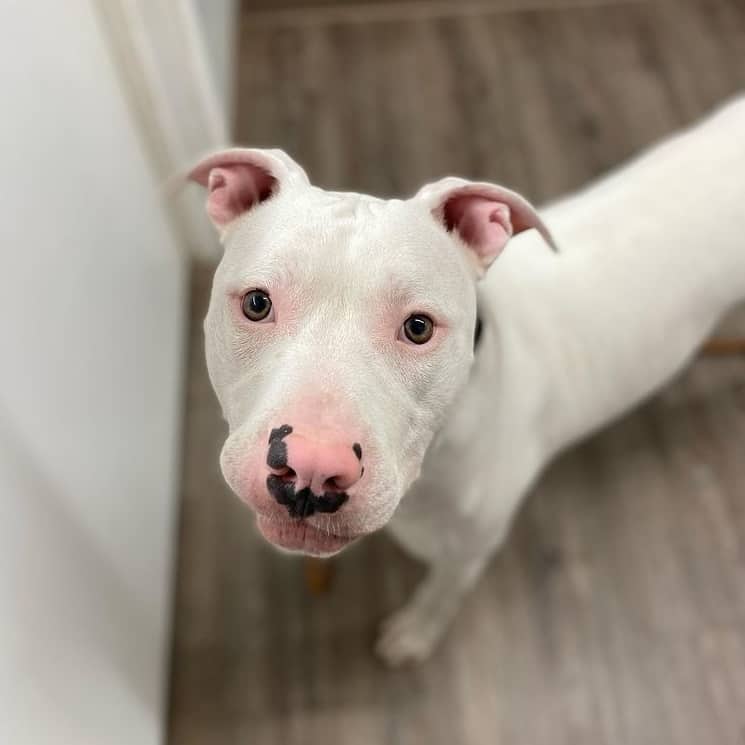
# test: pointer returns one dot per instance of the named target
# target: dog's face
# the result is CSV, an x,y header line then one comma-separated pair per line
x,y
339,330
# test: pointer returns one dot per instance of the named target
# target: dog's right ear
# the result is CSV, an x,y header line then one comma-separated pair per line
x,y
241,178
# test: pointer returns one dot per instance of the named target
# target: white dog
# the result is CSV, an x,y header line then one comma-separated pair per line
x,y
372,373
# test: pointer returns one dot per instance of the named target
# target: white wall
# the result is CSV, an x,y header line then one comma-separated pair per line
x,y
219,23
92,308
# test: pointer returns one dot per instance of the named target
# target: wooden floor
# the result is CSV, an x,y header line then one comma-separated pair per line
x,y
616,612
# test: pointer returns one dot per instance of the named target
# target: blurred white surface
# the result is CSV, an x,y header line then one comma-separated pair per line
x,y
217,18
92,312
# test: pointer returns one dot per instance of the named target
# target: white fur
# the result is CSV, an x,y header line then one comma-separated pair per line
x,y
650,258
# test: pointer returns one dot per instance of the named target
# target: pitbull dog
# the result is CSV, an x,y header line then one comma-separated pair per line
x,y
341,342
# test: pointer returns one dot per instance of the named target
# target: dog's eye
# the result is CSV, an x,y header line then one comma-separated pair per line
x,y
257,305
418,328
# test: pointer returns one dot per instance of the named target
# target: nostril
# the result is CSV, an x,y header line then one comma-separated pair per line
x,y
343,480
332,485
285,474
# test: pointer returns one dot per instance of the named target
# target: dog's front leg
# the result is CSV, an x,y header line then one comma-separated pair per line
x,y
410,634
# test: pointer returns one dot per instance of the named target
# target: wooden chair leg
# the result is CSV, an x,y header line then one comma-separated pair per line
x,y
318,575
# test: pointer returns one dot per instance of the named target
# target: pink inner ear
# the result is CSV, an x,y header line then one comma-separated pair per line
x,y
235,188
483,223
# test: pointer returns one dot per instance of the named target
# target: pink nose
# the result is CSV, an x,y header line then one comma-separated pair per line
x,y
323,466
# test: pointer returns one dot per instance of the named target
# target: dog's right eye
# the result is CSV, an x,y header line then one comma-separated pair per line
x,y
418,328
257,305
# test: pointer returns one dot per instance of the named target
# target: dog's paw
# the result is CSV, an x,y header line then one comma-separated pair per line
x,y
408,636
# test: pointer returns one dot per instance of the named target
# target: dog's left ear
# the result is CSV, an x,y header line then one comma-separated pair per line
x,y
484,215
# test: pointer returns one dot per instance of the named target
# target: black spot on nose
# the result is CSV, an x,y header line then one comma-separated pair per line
x,y
303,503
357,450
279,433
276,456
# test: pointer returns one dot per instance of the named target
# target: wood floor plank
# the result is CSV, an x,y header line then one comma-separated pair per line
x,y
615,615
305,13
251,6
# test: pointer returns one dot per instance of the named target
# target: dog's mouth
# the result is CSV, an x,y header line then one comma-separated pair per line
x,y
300,536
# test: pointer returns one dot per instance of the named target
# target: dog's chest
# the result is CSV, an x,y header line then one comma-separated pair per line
x,y
439,512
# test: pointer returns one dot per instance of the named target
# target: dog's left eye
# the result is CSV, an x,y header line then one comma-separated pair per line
x,y
418,328
257,305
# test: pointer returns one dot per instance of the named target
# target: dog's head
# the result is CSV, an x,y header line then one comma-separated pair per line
x,y
339,330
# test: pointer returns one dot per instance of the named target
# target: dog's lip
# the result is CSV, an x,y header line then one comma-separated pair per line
x,y
300,536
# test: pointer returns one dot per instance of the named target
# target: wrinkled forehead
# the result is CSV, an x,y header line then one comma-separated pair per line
x,y
336,240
